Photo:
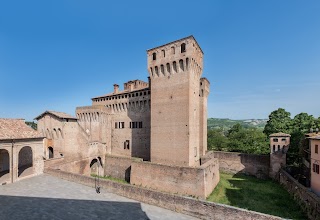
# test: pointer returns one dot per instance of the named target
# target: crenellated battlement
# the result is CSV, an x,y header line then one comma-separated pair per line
x,y
184,55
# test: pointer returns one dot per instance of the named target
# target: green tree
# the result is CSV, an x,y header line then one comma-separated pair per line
x,y
303,122
217,140
247,140
279,121
32,124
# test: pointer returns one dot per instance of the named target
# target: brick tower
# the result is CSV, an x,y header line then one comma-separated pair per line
x,y
178,103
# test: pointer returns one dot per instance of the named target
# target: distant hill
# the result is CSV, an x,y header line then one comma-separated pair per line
x,y
226,123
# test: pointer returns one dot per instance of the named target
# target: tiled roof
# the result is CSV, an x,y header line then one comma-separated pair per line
x,y
61,115
316,136
16,129
280,134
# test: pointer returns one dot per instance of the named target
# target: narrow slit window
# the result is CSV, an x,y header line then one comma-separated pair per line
x,y
183,48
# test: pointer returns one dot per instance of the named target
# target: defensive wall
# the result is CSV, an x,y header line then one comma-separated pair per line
x,y
194,207
193,181
81,166
119,167
250,164
307,200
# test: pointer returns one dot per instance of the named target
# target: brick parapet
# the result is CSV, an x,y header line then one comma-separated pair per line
x,y
190,206
307,200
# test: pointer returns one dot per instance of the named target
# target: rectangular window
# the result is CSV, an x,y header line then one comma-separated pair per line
x,y
316,149
116,125
122,124
140,124
127,143
315,168
275,139
130,124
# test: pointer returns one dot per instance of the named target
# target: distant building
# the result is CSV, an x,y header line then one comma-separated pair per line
x,y
315,164
21,151
279,145
56,126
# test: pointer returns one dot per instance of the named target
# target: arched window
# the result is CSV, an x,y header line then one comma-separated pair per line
x,y
173,50
168,67
162,69
183,48
181,65
157,71
151,71
174,66
154,56
59,130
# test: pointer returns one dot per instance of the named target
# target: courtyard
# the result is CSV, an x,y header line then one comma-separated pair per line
x,y
48,197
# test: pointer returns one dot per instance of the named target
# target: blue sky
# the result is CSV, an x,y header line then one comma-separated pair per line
x,y
258,55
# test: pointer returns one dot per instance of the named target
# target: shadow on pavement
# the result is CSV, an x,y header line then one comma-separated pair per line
x,y
17,207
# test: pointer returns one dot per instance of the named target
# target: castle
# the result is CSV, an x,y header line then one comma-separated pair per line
x,y
147,132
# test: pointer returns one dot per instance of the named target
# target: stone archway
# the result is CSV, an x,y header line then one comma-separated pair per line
x,y
94,166
50,152
4,166
25,162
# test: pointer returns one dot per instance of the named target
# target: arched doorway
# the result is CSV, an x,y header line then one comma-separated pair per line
x,y
25,164
4,166
50,151
94,166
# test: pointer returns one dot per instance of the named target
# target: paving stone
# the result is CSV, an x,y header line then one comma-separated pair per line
x,y
48,197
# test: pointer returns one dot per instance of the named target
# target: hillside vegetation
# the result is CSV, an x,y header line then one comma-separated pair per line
x,y
226,123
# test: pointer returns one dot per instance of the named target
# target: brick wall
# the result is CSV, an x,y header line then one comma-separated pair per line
x,y
251,164
119,167
197,208
308,201
81,166
197,182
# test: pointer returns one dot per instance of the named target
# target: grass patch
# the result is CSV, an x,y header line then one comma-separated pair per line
x,y
250,193
111,178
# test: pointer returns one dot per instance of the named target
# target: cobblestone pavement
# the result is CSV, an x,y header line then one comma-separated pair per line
x,y
48,197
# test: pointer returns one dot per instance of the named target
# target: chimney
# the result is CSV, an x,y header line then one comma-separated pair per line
x,y
115,88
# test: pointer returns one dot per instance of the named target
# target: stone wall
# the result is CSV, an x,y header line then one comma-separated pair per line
x,y
308,201
197,208
119,167
81,166
197,182
250,164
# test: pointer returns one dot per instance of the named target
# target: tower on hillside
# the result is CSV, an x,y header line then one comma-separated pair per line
x,y
279,145
178,103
